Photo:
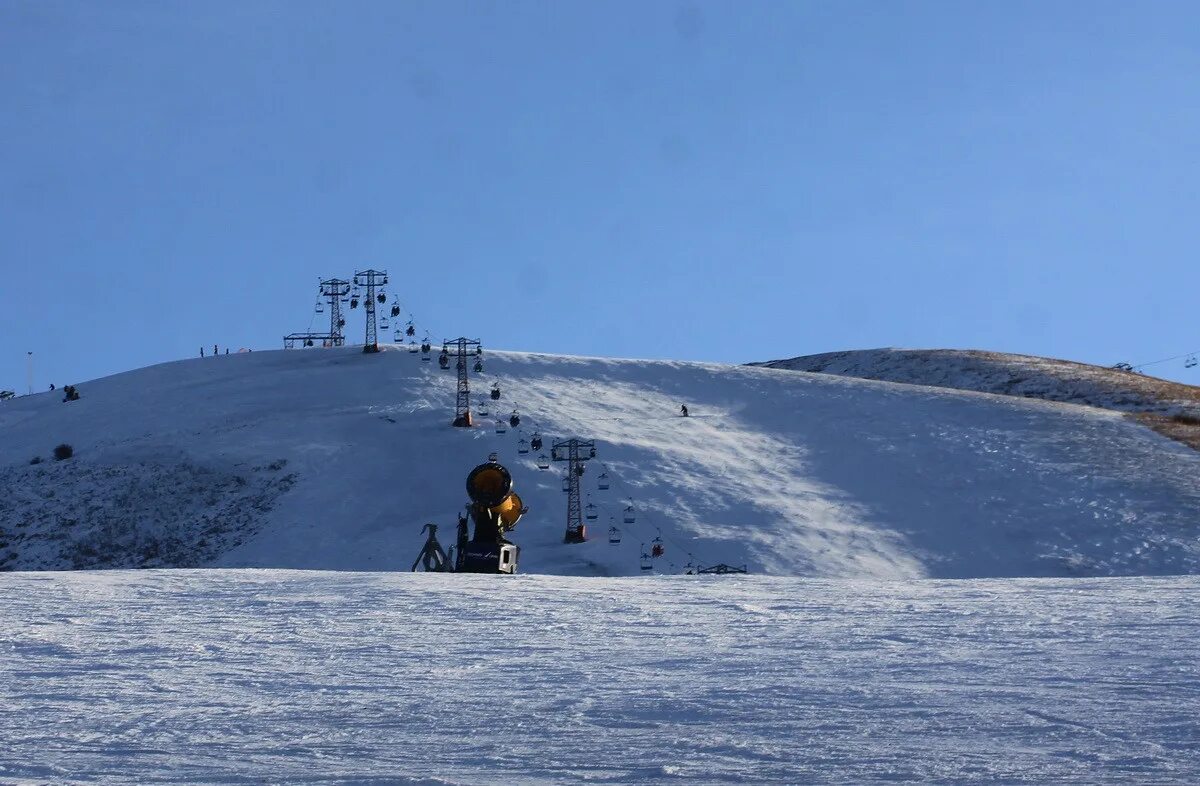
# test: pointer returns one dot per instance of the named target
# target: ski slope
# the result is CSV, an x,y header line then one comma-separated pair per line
x,y
333,459
203,677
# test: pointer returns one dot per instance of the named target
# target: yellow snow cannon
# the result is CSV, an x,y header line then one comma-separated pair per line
x,y
496,509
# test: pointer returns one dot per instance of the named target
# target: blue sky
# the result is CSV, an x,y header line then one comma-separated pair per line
x,y
725,181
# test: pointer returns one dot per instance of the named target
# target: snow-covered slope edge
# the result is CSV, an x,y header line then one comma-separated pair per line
x,y
1007,374
334,459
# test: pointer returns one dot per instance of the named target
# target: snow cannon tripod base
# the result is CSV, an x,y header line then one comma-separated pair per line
x,y
495,509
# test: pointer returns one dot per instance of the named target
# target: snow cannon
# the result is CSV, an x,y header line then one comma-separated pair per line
x,y
495,509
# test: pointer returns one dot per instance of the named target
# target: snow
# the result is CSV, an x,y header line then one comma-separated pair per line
x,y
252,676
331,459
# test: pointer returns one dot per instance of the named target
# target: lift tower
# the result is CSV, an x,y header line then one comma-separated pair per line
x,y
370,280
333,290
462,404
575,452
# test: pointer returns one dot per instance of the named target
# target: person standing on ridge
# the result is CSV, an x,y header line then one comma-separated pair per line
x,y
683,410
201,350
214,350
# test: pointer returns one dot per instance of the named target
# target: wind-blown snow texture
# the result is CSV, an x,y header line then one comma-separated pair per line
x,y
286,677
335,459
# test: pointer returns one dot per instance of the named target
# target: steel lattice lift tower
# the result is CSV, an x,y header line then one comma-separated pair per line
x,y
370,280
462,404
333,291
575,452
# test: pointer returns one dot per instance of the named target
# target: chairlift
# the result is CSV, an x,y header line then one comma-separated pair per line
x,y
543,462
496,392
536,441
1190,362
354,302
602,481
308,342
478,366
629,514
614,535
383,323
410,330
381,297
320,307
412,347
444,360
341,323
523,446
656,547
579,470
589,512
493,457
514,420
500,427
647,563
395,310
398,336
482,409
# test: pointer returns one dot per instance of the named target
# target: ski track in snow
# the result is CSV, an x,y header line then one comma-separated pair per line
x,y
290,677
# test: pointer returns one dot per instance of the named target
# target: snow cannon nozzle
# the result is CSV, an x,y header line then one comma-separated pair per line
x,y
488,484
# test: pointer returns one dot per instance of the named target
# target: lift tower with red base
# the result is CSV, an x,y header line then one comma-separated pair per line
x,y
575,452
462,403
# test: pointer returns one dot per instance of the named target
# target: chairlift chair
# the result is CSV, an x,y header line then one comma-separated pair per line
x,y
412,347
398,336
383,323
514,420
536,441
523,446
320,307
589,512
410,330
478,366
382,298
656,547
354,302
482,409
395,310
543,462
501,428
493,457
614,535
1190,362
629,518
602,481
496,392
647,562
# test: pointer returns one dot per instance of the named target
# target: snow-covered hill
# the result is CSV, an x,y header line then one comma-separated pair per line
x,y
335,459
1007,374
319,678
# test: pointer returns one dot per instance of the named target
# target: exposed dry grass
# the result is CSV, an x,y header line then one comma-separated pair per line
x,y
1181,428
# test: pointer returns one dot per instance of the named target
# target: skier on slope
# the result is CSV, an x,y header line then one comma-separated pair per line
x,y
683,410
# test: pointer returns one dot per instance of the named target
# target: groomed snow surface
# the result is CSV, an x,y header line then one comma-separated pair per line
x,y
315,678
334,459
